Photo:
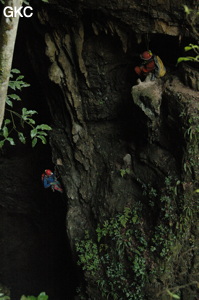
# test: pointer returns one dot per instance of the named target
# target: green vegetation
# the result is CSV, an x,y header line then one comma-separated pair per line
x,y
116,260
25,117
8,33
127,252
41,296
192,19
193,47
124,172
191,164
4,297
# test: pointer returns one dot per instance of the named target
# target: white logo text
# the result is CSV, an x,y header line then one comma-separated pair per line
x,y
9,11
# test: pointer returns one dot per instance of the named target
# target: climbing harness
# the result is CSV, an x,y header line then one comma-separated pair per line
x,y
55,186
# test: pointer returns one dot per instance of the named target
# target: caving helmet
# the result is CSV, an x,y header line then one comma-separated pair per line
x,y
146,55
48,172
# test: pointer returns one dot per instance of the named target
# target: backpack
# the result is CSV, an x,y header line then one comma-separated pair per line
x,y
160,69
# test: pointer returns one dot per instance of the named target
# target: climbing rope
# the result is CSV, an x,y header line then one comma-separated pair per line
x,y
147,34
147,40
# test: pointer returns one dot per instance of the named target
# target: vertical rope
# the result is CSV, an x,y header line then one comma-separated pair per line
x,y
147,34
147,40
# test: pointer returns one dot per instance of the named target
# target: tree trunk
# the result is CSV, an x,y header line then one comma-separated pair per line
x,y
8,32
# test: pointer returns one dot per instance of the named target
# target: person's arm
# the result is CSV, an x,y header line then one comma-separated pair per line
x,y
149,67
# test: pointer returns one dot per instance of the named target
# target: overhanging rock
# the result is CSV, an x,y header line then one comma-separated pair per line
x,y
148,96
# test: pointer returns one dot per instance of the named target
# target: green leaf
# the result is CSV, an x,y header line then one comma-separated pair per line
x,y
12,85
15,71
42,133
33,132
21,137
134,219
122,172
42,138
191,47
42,296
17,85
7,121
31,121
196,191
135,250
28,298
24,111
44,127
14,97
34,142
5,132
20,77
187,48
24,84
187,58
9,102
9,139
2,143
187,9
173,295
31,112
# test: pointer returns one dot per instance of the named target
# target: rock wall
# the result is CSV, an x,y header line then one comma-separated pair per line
x,y
84,58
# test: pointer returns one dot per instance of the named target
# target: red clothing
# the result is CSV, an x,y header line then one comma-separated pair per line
x,y
146,68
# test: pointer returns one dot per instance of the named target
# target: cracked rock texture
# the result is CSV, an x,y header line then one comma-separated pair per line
x,y
83,54
90,49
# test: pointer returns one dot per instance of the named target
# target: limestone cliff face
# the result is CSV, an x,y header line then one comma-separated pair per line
x,y
84,57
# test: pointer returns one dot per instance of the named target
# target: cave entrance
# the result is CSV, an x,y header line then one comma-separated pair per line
x,y
35,251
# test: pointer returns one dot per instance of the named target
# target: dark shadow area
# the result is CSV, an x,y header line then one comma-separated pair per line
x,y
34,247
167,47
133,124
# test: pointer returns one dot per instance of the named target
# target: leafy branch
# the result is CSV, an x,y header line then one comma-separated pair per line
x,y
25,117
192,19
41,296
195,48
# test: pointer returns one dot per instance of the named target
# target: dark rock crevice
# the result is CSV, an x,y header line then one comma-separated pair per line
x,y
34,247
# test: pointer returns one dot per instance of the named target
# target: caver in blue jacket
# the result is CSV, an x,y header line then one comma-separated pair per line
x,y
49,180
